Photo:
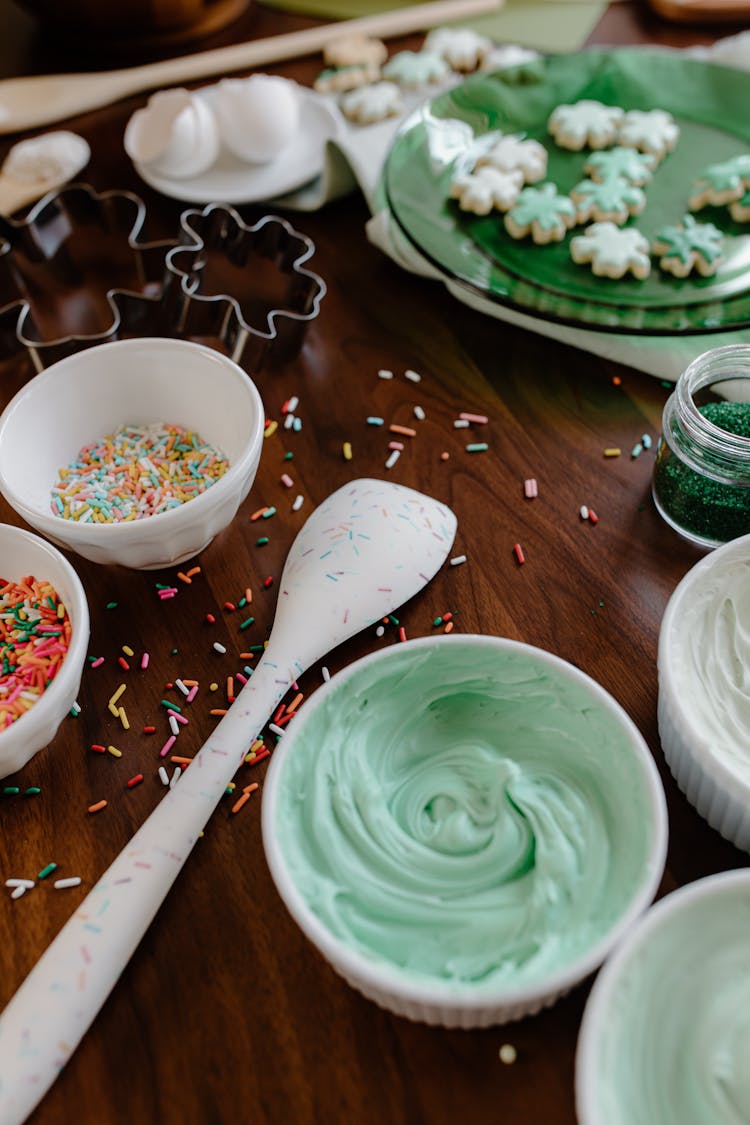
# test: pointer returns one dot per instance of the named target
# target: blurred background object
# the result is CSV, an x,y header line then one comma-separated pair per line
x,y
702,11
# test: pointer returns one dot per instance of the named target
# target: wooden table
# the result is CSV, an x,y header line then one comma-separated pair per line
x,y
226,1013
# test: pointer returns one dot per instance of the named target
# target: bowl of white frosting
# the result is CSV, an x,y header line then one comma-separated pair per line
x,y
665,1038
464,826
704,688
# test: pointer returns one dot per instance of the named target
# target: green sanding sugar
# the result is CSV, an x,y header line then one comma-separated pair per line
x,y
697,503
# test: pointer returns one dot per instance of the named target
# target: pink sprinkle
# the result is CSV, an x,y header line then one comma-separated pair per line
x,y
530,488
396,445
98,662
477,419
287,480
240,677
167,746
164,595
144,661
180,718
191,694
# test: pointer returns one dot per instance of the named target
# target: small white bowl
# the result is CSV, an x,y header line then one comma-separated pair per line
x,y
92,393
704,688
464,826
21,554
666,1034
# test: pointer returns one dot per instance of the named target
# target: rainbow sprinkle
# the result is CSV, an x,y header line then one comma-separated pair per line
x,y
34,638
136,472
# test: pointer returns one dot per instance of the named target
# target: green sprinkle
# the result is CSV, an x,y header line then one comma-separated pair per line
x,y
477,447
261,541
11,790
32,791
288,456
257,648
170,706
393,620
437,621
666,383
111,605
242,603
247,623
373,421
47,870
637,450
162,586
175,651
268,513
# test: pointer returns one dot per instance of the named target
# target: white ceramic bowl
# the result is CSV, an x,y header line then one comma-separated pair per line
x,y
21,554
704,688
92,393
464,826
666,1032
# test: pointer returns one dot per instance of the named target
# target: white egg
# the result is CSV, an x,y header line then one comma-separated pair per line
x,y
175,135
258,116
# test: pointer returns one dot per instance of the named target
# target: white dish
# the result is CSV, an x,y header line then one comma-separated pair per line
x,y
231,180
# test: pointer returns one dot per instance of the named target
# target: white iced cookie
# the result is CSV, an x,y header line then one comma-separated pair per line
x,y
507,55
355,50
486,189
689,246
721,183
612,251
585,124
415,69
337,80
512,152
175,135
258,116
541,212
462,48
374,103
613,200
635,167
649,130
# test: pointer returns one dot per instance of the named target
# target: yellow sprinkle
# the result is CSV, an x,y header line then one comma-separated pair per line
x,y
118,693
346,449
60,611
113,709
128,650
114,751
213,687
271,429
614,452
123,718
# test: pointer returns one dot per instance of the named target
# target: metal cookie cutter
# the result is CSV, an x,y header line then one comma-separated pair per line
x,y
75,273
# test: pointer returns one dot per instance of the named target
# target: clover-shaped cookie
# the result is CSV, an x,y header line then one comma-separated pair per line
x,y
635,167
354,50
511,152
687,246
339,79
543,213
612,251
721,183
462,48
740,209
486,188
613,200
650,130
372,103
414,69
586,123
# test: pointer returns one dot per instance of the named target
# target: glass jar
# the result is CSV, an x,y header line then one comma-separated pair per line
x,y
701,483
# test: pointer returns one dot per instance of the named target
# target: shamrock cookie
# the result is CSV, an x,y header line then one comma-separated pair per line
x,y
485,189
614,200
721,183
355,50
689,245
339,79
506,55
541,212
414,69
635,167
585,123
374,103
651,130
611,251
511,152
740,209
462,48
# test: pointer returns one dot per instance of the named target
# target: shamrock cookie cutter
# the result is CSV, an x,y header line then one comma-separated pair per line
x,y
77,272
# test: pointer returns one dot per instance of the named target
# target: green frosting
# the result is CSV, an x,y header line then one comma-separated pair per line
x,y
675,1046
466,814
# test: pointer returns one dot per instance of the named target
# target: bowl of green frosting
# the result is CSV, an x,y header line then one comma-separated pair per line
x,y
665,1038
464,826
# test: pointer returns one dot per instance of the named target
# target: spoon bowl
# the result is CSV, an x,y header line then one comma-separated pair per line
x,y
38,165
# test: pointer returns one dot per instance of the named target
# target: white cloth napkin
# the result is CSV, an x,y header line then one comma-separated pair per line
x,y
357,157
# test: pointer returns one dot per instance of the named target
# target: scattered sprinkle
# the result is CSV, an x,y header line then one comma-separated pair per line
x,y
583,512
637,450
613,451
412,376
64,884
373,421
507,1053
458,559
419,413
392,458
298,502
47,871
460,424
384,374
346,449
518,552
477,447
325,674
220,648
530,488
646,441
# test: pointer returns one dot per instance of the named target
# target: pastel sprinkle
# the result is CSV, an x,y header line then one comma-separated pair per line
x,y
419,413
27,884
271,511
64,884
613,451
412,376
262,541
298,502
373,421
163,776
457,560
583,512
286,480
325,674
474,419
507,1054
346,449
637,450
477,447
405,431
220,648
270,429
392,459
385,374
460,424
530,488
19,892
646,441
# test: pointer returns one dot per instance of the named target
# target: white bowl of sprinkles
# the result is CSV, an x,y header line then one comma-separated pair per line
x,y
184,429
29,722
464,827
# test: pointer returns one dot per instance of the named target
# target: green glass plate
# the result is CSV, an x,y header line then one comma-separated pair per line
x,y
448,133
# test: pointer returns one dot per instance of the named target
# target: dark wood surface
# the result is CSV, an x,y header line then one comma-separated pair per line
x,y
226,1013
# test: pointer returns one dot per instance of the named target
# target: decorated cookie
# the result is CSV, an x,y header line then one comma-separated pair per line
x,y
740,209
614,200
721,183
585,124
650,130
541,212
485,189
414,69
355,50
635,167
339,79
507,55
511,152
611,251
462,48
372,103
688,246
